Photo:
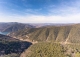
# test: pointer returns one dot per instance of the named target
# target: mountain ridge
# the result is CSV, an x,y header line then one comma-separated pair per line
x,y
13,26
51,33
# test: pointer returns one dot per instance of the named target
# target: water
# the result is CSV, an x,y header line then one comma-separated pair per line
x,y
4,33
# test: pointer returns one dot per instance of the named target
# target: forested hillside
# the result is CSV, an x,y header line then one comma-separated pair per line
x,y
44,49
10,46
66,34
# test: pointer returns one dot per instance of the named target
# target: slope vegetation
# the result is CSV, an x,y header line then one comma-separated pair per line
x,y
11,46
70,33
44,49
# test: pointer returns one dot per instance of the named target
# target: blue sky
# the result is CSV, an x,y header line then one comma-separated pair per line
x,y
40,11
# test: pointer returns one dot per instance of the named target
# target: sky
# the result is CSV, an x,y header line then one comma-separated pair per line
x,y
40,11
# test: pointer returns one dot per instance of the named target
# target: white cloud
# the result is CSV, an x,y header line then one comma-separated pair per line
x,y
66,8
66,13
42,19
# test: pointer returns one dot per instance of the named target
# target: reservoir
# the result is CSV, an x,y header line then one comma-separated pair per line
x,y
4,33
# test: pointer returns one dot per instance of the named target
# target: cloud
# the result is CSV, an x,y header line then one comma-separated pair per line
x,y
65,8
63,13
42,19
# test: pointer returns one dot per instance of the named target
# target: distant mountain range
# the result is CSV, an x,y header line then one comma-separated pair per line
x,y
13,26
37,25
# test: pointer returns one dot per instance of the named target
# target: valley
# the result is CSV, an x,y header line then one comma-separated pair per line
x,y
26,40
